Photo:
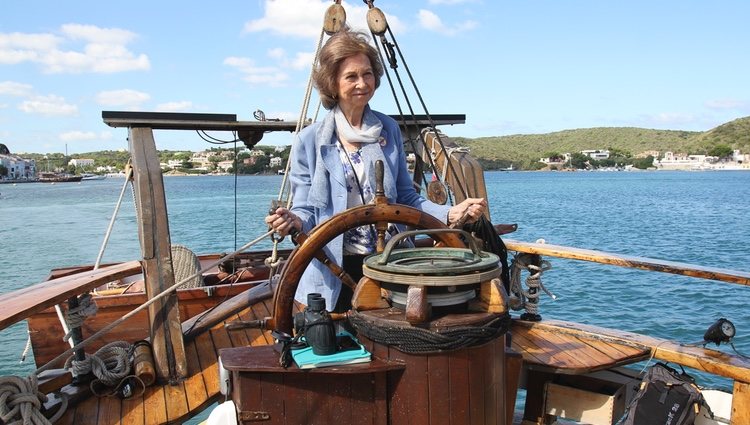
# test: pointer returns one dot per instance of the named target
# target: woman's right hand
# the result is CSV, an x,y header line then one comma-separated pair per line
x,y
284,222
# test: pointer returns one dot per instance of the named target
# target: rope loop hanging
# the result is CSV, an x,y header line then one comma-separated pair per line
x,y
528,299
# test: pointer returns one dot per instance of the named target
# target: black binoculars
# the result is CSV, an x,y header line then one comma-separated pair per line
x,y
316,325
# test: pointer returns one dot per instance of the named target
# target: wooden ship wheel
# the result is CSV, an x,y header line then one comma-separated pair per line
x,y
433,318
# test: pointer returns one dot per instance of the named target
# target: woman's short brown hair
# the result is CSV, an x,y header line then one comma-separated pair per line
x,y
342,45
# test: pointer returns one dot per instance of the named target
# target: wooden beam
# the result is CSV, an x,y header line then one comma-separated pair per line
x,y
642,263
153,232
740,402
25,302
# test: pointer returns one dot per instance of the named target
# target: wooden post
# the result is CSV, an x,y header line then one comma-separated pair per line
x,y
740,401
153,232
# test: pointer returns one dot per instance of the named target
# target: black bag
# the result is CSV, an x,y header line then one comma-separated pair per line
x,y
666,397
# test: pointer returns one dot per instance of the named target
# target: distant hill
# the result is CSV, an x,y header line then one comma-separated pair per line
x,y
523,150
735,134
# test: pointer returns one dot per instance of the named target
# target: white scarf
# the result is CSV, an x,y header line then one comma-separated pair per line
x,y
368,133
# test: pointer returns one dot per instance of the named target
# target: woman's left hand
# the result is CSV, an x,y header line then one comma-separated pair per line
x,y
467,211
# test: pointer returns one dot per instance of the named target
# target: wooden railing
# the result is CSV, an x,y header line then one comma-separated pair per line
x,y
733,366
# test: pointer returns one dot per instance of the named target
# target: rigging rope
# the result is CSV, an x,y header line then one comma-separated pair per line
x,y
128,179
389,48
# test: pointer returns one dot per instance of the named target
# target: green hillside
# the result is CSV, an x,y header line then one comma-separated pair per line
x,y
525,150
735,134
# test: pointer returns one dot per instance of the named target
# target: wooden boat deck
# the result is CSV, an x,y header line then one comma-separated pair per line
x,y
550,350
176,403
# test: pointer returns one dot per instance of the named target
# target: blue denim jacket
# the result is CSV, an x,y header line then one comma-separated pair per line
x,y
319,191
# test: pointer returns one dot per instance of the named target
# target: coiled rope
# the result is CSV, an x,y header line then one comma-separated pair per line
x,y
110,364
21,402
77,315
414,340
527,299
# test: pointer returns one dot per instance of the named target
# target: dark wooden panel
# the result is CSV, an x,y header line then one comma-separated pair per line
x,y
439,388
458,370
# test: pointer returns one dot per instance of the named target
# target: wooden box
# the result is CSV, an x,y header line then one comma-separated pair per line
x,y
597,399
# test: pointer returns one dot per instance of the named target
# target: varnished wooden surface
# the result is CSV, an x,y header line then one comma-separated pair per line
x,y
161,404
549,350
629,261
698,357
46,332
22,303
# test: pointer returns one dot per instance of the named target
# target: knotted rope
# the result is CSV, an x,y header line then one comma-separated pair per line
x,y
273,261
110,364
21,402
76,315
527,299
412,340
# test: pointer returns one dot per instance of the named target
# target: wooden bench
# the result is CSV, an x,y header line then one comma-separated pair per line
x,y
548,351
554,347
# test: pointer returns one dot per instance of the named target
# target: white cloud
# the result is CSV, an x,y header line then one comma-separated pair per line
x,y
48,105
12,88
298,18
72,136
430,21
303,60
125,97
451,2
277,53
257,75
725,104
184,105
104,50
82,136
304,18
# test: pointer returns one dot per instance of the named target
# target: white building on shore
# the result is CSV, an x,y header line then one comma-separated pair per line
x,y
16,168
673,161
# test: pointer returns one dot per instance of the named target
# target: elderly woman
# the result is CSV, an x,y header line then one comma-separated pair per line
x,y
333,166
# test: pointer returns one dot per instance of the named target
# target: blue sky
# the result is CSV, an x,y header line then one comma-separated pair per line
x,y
512,67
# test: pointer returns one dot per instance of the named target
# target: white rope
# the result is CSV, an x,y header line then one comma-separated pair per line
x,y
77,315
301,120
26,348
128,176
145,305
21,402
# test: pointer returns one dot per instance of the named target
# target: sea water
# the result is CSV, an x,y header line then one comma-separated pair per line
x,y
692,217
